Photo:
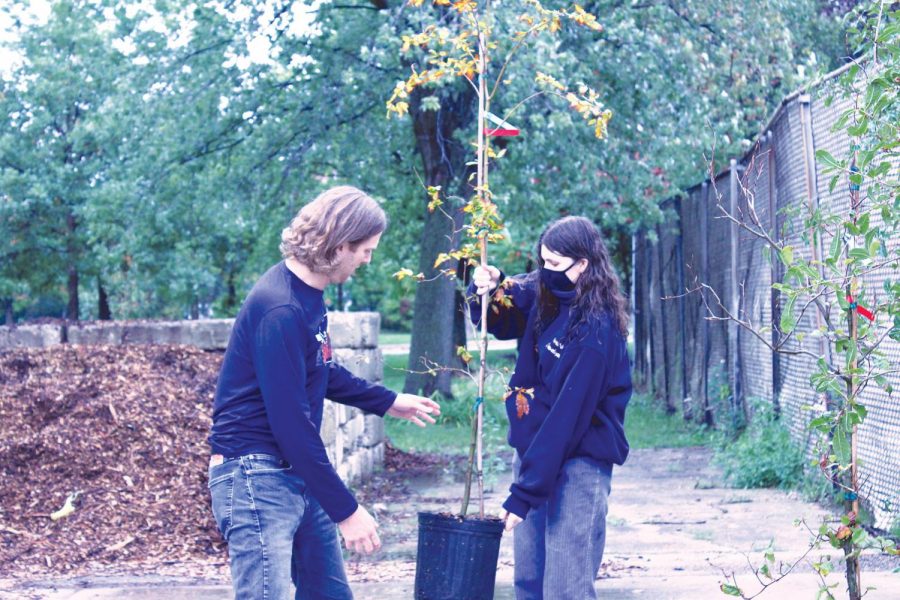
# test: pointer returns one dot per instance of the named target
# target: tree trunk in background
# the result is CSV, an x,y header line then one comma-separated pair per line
x,y
231,304
8,311
103,311
72,287
622,259
72,283
443,162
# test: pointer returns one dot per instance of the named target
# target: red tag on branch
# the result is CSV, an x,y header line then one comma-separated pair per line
x,y
502,129
860,309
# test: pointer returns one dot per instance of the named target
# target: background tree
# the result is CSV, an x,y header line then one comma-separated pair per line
x,y
204,127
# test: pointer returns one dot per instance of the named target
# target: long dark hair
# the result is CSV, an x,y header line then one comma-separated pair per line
x,y
597,289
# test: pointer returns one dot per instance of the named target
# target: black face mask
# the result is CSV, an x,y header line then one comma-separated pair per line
x,y
557,280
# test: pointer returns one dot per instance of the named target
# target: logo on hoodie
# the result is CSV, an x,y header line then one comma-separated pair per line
x,y
555,347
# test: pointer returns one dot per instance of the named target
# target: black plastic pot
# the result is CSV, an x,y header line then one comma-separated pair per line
x,y
457,558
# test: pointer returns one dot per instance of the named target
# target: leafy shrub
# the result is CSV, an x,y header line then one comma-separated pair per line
x,y
763,455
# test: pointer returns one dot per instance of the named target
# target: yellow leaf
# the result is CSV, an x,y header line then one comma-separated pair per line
x,y
465,5
464,354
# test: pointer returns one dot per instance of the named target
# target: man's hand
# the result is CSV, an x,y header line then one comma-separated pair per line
x,y
360,532
511,519
486,279
415,409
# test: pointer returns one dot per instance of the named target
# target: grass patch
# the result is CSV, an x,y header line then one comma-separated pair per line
x,y
386,338
646,423
452,433
648,426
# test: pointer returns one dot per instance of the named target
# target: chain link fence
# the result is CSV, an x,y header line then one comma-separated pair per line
x,y
710,369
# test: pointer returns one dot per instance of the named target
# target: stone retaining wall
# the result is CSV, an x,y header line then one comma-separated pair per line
x,y
354,441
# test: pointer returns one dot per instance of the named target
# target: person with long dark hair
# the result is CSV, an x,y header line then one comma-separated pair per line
x,y
566,404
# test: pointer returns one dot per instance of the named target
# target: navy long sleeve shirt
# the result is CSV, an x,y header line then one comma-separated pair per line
x,y
580,388
275,376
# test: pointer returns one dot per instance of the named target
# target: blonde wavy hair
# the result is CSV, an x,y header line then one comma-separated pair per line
x,y
340,215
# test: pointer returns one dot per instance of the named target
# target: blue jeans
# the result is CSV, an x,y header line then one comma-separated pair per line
x,y
559,546
281,543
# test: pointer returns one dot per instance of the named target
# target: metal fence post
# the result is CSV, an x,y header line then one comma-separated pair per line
x,y
686,408
704,277
667,391
812,193
737,392
774,274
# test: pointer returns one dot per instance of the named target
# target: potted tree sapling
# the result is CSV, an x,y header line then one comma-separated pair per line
x,y
457,553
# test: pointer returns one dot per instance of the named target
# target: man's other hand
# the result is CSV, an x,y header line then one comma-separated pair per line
x,y
415,409
360,532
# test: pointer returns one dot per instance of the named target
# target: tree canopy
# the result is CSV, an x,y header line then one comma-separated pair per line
x,y
151,154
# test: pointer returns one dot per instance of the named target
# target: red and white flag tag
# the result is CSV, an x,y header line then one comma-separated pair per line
x,y
502,129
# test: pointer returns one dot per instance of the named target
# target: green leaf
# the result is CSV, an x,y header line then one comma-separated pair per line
x,y
835,247
860,128
841,446
852,352
859,254
788,319
880,170
875,247
787,255
730,590
841,122
830,162
862,223
821,422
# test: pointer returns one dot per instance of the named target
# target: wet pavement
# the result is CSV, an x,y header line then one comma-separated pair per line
x,y
672,532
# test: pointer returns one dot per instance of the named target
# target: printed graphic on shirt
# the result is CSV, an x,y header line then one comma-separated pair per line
x,y
555,348
324,355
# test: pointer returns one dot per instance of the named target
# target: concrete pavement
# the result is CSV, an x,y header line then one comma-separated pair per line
x,y
672,530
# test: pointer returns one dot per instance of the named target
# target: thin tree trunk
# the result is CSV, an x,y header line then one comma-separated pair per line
x,y
443,163
231,294
72,308
72,289
854,579
431,343
103,311
460,314
8,310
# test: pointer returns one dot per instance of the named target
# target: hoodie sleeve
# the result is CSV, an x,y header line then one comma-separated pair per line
x,y
278,356
578,390
507,314
346,388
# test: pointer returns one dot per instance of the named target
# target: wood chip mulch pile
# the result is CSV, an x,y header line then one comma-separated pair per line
x,y
116,437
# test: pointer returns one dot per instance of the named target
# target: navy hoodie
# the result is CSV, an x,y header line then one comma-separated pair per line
x,y
579,387
275,376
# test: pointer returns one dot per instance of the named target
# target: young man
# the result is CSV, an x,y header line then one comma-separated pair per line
x,y
275,496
